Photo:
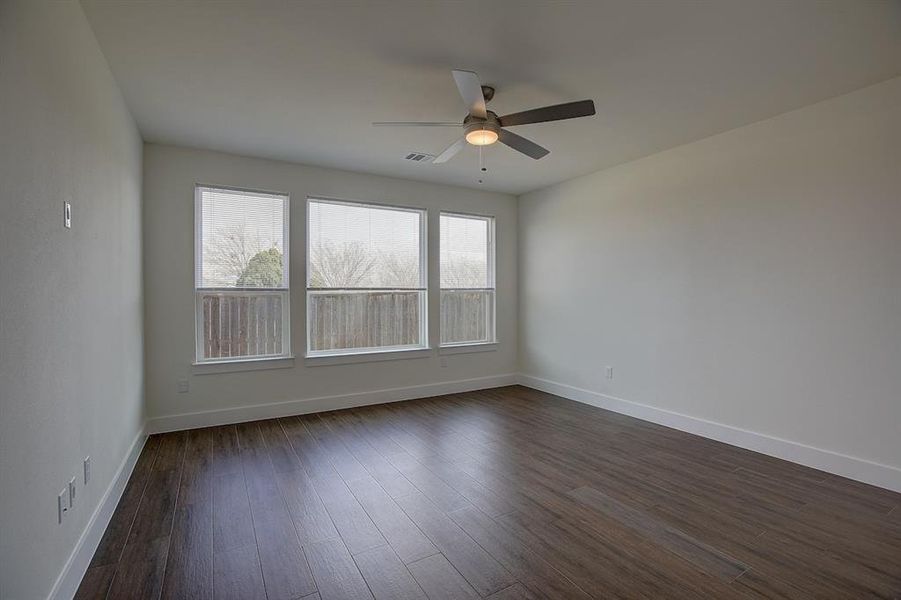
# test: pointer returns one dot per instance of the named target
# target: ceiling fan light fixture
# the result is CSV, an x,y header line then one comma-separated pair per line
x,y
481,137
482,127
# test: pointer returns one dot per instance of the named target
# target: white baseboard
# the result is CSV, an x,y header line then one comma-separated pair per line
x,y
884,476
298,407
69,579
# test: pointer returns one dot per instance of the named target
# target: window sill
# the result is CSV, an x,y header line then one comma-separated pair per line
x,y
243,364
467,348
347,358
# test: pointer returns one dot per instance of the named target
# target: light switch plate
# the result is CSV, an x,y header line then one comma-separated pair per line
x,y
87,469
71,492
67,215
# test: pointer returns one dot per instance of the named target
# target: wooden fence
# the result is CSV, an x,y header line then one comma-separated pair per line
x,y
250,324
363,319
465,316
241,325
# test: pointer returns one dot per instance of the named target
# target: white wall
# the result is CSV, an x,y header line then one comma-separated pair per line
x,y
751,279
70,300
169,177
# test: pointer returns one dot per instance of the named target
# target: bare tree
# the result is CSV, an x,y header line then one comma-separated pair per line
x,y
399,270
227,253
340,266
461,272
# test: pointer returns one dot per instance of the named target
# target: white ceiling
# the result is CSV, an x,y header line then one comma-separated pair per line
x,y
301,81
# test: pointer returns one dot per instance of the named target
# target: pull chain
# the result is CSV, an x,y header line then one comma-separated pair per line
x,y
481,164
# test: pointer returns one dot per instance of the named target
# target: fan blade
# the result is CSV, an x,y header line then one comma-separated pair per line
x,y
450,152
471,91
521,144
417,124
558,112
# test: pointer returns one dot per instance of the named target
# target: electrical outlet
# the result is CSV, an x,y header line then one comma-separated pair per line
x,y
443,361
609,372
71,492
182,386
87,469
62,503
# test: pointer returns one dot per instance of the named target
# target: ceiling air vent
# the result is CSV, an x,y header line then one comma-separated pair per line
x,y
419,157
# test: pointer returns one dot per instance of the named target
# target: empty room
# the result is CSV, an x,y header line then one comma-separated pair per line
x,y
450,299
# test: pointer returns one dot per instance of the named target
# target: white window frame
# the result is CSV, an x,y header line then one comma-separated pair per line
x,y
423,288
492,280
284,293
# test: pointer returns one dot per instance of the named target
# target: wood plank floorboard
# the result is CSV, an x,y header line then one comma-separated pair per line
x,y
479,568
286,574
440,579
387,576
237,574
516,591
189,566
336,573
402,534
504,493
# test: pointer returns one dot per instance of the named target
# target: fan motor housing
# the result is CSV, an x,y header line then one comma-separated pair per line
x,y
472,123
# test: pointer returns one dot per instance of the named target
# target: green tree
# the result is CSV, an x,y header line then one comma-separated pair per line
x,y
264,269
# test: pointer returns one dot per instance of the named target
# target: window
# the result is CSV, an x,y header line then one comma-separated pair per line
x,y
366,278
241,275
467,279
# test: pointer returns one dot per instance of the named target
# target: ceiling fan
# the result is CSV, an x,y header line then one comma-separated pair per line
x,y
483,127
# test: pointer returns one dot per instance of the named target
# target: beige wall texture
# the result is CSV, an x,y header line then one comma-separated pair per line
x,y
752,278
71,364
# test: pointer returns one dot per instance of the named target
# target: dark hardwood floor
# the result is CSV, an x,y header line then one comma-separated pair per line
x,y
505,493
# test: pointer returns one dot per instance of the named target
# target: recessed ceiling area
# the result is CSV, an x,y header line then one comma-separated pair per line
x,y
302,82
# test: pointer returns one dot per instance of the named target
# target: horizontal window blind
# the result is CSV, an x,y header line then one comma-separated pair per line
x,y
242,239
465,245
364,246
